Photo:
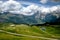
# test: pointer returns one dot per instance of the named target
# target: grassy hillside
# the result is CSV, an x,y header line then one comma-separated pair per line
x,y
25,32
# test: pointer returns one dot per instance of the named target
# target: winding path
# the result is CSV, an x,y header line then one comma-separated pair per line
x,y
26,35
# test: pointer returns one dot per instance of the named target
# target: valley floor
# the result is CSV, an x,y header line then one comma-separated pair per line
x,y
9,31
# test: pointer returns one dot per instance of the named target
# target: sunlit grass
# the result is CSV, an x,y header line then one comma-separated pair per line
x,y
27,30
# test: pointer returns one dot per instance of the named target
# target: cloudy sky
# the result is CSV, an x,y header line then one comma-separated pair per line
x,y
30,7
43,2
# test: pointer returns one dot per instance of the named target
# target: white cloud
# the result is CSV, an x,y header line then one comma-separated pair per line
x,y
54,8
1,2
11,6
30,10
44,10
43,1
17,8
1,6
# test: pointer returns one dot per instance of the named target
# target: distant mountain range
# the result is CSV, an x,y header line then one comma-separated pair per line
x,y
22,19
15,12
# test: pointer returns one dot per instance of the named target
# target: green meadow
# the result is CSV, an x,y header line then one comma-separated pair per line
x,y
9,31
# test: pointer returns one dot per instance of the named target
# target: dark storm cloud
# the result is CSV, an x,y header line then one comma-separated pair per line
x,y
55,0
